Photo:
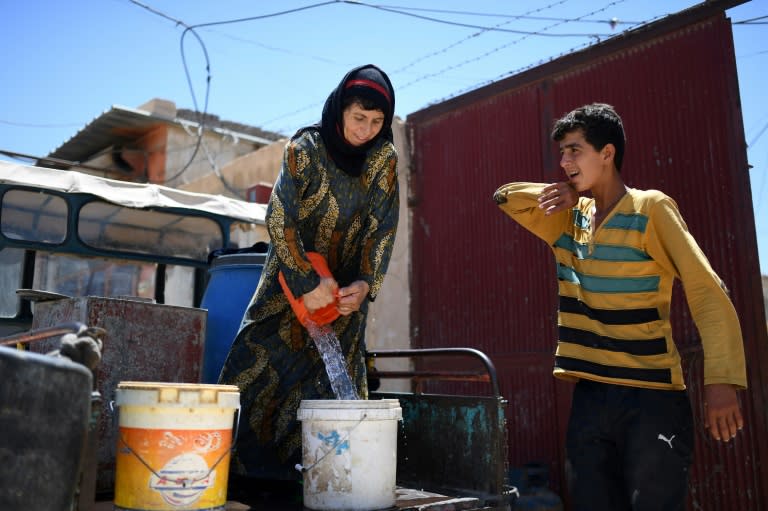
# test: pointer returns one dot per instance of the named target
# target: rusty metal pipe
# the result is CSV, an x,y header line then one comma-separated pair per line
x,y
43,333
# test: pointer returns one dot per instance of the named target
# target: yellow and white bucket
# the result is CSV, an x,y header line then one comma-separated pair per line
x,y
173,446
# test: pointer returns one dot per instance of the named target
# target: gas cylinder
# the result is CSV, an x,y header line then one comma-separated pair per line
x,y
535,494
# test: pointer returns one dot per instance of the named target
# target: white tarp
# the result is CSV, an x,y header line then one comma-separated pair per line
x,y
134,195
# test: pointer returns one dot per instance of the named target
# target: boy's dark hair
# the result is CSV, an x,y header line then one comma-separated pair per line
x,y
601,125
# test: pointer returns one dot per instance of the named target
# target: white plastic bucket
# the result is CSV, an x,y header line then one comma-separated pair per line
x,y
349,453
173,446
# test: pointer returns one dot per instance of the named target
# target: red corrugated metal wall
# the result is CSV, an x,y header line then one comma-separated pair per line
x,y
481,281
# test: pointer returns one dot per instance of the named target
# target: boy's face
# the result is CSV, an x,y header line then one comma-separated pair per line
x,y
583,164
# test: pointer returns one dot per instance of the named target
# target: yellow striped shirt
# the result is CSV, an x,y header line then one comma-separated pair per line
x,y
615,287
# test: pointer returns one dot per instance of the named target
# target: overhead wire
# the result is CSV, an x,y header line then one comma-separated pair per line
x,y
429,55
373,6
469,25
398,10
32,125
201,116
56,161
352,2
394,10
278,49
494,50
612,21
469,37
752,21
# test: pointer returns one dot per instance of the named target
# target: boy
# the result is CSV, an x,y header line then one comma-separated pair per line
x,y
630,434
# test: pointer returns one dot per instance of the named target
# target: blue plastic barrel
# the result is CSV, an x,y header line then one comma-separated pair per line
x,y
232,282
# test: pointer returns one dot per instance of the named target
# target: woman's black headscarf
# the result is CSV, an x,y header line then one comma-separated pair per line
x,y
368,82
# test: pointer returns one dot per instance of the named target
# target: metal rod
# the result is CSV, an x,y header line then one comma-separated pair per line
x,y
442,375
42,333
426,352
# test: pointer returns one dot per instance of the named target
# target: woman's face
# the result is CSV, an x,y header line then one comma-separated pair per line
x,y
360,125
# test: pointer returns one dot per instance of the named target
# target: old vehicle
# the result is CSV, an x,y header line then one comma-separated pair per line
x,y
79,235
133,259
128,257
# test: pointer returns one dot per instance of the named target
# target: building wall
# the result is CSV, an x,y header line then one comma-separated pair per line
x,y
256,166
215,151
389,317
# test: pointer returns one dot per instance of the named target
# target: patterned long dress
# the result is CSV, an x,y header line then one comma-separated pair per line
x,y
315,206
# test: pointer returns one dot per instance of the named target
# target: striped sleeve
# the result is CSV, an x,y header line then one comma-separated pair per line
x,y
672,246
521,202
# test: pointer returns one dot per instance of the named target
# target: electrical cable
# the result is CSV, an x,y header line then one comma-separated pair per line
x,y
191,28
612,21
752,21
469,37
468,25
240,193
56,161
494,50
429,55
30,125
265,16
402,11
461,64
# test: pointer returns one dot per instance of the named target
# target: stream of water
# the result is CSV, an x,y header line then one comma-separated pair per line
x,y
330,350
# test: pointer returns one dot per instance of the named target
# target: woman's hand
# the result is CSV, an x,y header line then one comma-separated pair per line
x,y
322,295
558,197
352,296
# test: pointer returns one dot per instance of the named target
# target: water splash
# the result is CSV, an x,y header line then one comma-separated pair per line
x,y
330,350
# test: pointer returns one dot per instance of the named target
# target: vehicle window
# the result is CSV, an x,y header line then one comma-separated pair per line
x,y
77,276
33,216
111,227
91,276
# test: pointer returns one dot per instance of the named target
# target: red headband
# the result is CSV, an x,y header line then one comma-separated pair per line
x,y
371,84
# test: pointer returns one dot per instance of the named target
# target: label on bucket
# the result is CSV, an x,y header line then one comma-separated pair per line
x,y
164,469
330,445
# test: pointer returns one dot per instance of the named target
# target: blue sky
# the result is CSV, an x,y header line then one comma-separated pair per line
x,y
66,62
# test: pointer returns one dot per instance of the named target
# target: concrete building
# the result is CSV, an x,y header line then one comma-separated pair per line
x,y
156,143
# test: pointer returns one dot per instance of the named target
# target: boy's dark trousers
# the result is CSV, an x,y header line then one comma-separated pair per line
x,y
628,448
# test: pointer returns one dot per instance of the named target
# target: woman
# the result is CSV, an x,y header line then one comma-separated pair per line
x,y
337,194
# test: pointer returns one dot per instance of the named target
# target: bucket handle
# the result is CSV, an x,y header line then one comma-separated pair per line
x,y
301,468
184,483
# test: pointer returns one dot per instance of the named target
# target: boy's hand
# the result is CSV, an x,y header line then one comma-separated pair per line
x,y
558,197
721,410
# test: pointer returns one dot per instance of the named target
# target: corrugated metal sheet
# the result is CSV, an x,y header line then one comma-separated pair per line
x,y
481,281
120,124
